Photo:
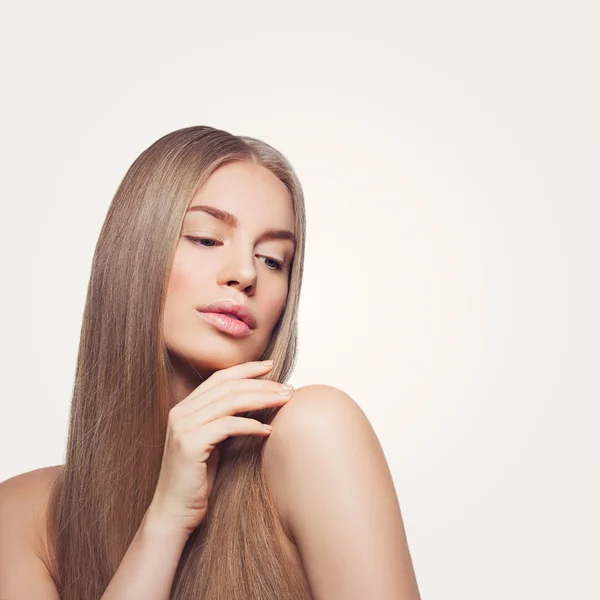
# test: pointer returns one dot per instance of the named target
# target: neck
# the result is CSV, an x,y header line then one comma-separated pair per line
x,y
185,378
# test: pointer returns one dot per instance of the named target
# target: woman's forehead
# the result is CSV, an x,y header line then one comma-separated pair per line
x,y
242,193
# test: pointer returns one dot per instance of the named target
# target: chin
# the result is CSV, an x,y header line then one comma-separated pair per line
x,y
212,357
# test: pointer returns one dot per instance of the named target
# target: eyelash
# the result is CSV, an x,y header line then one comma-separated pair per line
x,y
197,240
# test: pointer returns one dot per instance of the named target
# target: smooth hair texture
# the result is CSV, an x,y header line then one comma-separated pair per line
x,y
121,396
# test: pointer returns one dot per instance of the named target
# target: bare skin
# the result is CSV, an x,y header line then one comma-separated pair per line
x,y
214,261
35,487
307,464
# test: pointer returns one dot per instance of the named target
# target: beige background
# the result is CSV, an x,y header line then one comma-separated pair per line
x,y
449,157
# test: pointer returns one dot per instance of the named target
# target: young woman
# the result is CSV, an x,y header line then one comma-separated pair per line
x,y
172,486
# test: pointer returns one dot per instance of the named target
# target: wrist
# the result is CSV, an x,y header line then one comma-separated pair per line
x,y
155,526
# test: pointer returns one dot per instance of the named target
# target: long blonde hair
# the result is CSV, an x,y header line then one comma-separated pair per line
x,y
121,396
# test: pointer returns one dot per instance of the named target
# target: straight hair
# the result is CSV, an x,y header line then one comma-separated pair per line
x,y
121,396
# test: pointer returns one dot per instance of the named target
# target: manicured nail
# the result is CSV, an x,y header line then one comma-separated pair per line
x,y
267,363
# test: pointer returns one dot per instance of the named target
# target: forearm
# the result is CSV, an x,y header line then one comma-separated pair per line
x,y
148,567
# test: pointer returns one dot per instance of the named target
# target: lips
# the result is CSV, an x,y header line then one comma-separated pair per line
x,y
233,309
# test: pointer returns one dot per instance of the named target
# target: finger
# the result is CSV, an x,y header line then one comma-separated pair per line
x,y
215,432
233,403
241,371
195,401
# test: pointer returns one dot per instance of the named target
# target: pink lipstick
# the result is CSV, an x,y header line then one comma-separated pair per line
x,y
227,324
230,317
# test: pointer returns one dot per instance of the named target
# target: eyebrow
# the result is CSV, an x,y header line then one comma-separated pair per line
x,y
232,221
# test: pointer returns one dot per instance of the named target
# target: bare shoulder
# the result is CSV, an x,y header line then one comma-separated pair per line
x,y
316,410
36,480
315,407
23,504
330,480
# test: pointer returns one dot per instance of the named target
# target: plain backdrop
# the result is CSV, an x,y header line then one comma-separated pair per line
x,y
449,154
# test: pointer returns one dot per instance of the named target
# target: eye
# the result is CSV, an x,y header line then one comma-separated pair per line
x,y
198,241
277,265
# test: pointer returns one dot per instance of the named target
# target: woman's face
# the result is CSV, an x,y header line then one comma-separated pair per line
x,y
229,262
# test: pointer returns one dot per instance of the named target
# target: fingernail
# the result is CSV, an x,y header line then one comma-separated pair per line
x,y
267,363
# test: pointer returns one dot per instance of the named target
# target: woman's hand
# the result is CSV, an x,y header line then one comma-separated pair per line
x,y
195,426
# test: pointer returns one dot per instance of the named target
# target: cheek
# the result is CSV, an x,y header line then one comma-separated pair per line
x,y
182,289
178,281
274,306
186,275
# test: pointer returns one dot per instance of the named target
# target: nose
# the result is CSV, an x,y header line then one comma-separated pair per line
x,y
238,270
